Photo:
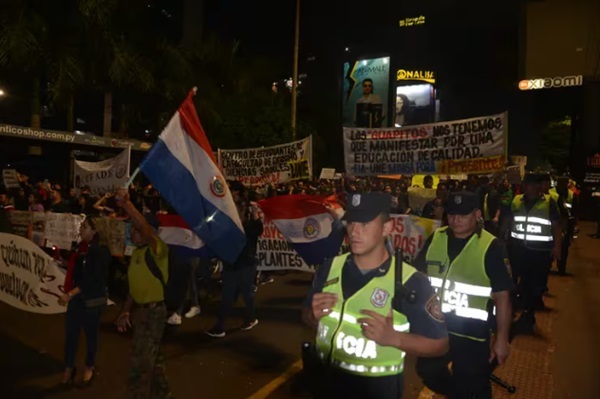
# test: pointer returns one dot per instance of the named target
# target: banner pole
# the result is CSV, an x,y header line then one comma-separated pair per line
x,y
132,178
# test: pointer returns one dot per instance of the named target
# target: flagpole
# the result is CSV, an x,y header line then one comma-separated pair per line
x,y
132,178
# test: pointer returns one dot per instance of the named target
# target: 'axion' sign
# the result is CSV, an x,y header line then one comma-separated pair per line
x,y
547,83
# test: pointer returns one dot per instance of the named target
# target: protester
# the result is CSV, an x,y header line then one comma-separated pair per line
x,y
147,377
85,296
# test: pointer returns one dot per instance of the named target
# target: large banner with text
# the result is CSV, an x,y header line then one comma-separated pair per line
x,y
104,176
274,253
277,164
475,145
30,279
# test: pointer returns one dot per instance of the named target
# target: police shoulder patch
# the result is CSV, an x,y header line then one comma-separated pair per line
x,y
434,308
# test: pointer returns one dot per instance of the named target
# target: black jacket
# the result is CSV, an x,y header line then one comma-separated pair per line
x,y
91,272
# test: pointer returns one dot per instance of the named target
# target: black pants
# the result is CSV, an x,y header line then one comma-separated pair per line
x,y
78,318
238,279
566,243
530,273
469,377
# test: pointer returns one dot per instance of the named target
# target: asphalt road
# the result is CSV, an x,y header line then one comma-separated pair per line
x,y
245,362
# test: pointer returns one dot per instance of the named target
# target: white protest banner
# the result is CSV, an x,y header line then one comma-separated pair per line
x,y
30,280
104,176
277,164
274,253
475,145
62,229
10,178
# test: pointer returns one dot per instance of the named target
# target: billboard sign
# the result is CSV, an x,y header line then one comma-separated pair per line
x,y
548,83
365,96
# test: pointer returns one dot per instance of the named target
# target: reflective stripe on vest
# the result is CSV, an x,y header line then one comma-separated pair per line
x,y
532,226
463,285
340,341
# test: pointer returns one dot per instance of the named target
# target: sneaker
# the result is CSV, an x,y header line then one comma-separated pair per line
x,y
194,311
255,288
174,320
215,333
266,280
249,326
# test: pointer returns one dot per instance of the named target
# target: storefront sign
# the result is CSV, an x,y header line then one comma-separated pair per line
x,y
72,138
406,22
548,83
425,76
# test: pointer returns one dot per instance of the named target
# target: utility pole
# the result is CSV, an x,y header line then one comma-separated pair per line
x,y
295,70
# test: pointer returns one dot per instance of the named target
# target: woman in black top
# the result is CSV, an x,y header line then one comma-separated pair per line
x,y
86,296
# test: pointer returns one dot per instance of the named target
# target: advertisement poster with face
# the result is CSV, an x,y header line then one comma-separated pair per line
x,y
414,105
365,93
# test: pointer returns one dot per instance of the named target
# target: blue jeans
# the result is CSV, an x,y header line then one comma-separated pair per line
x,y
78,318
194,265
237,280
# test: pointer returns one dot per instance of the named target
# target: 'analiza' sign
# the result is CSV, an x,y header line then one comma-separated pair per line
x,y
548,83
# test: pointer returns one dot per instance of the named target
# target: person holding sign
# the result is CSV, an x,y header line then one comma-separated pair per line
x,y
85,296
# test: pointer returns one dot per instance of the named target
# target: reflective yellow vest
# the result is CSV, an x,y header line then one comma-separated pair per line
x,y
533,228
340,341
567,201
462,285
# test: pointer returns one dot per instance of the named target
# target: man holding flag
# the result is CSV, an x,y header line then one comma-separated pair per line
x,y
181,166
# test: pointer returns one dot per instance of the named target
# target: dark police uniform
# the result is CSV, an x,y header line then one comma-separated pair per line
x,y
530,248
423,315
466,286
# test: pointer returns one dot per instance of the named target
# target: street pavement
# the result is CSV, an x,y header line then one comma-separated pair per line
x,y
559,362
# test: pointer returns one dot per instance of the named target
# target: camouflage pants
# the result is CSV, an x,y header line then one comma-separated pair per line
x,y
147,378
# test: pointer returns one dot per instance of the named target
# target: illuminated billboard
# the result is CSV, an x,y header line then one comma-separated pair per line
x,y
548,83
365,93
414,104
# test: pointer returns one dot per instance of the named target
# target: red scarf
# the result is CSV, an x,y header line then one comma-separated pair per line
x,y
81,250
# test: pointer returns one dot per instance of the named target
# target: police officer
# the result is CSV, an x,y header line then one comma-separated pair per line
x,y
469,268
568,201
365,327
535,239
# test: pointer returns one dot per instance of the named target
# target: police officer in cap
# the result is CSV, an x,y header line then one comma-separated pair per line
x,y
469,269
535,238
365,327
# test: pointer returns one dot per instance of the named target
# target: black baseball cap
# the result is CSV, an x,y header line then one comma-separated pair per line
x,y
461,203
365,207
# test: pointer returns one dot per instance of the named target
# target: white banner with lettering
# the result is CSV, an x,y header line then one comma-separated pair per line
x,y
475,145
30,280
277,164
104,176
274,253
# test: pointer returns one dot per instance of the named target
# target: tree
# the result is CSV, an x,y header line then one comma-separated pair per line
x,y
39,40
556,140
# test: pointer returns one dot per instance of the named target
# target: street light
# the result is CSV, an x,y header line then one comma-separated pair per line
x,y
1,93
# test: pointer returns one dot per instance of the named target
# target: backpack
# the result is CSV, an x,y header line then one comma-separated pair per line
x,y
175,289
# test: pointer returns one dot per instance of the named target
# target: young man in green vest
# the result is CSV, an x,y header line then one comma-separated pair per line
x,y
147,377
469,268
365,326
